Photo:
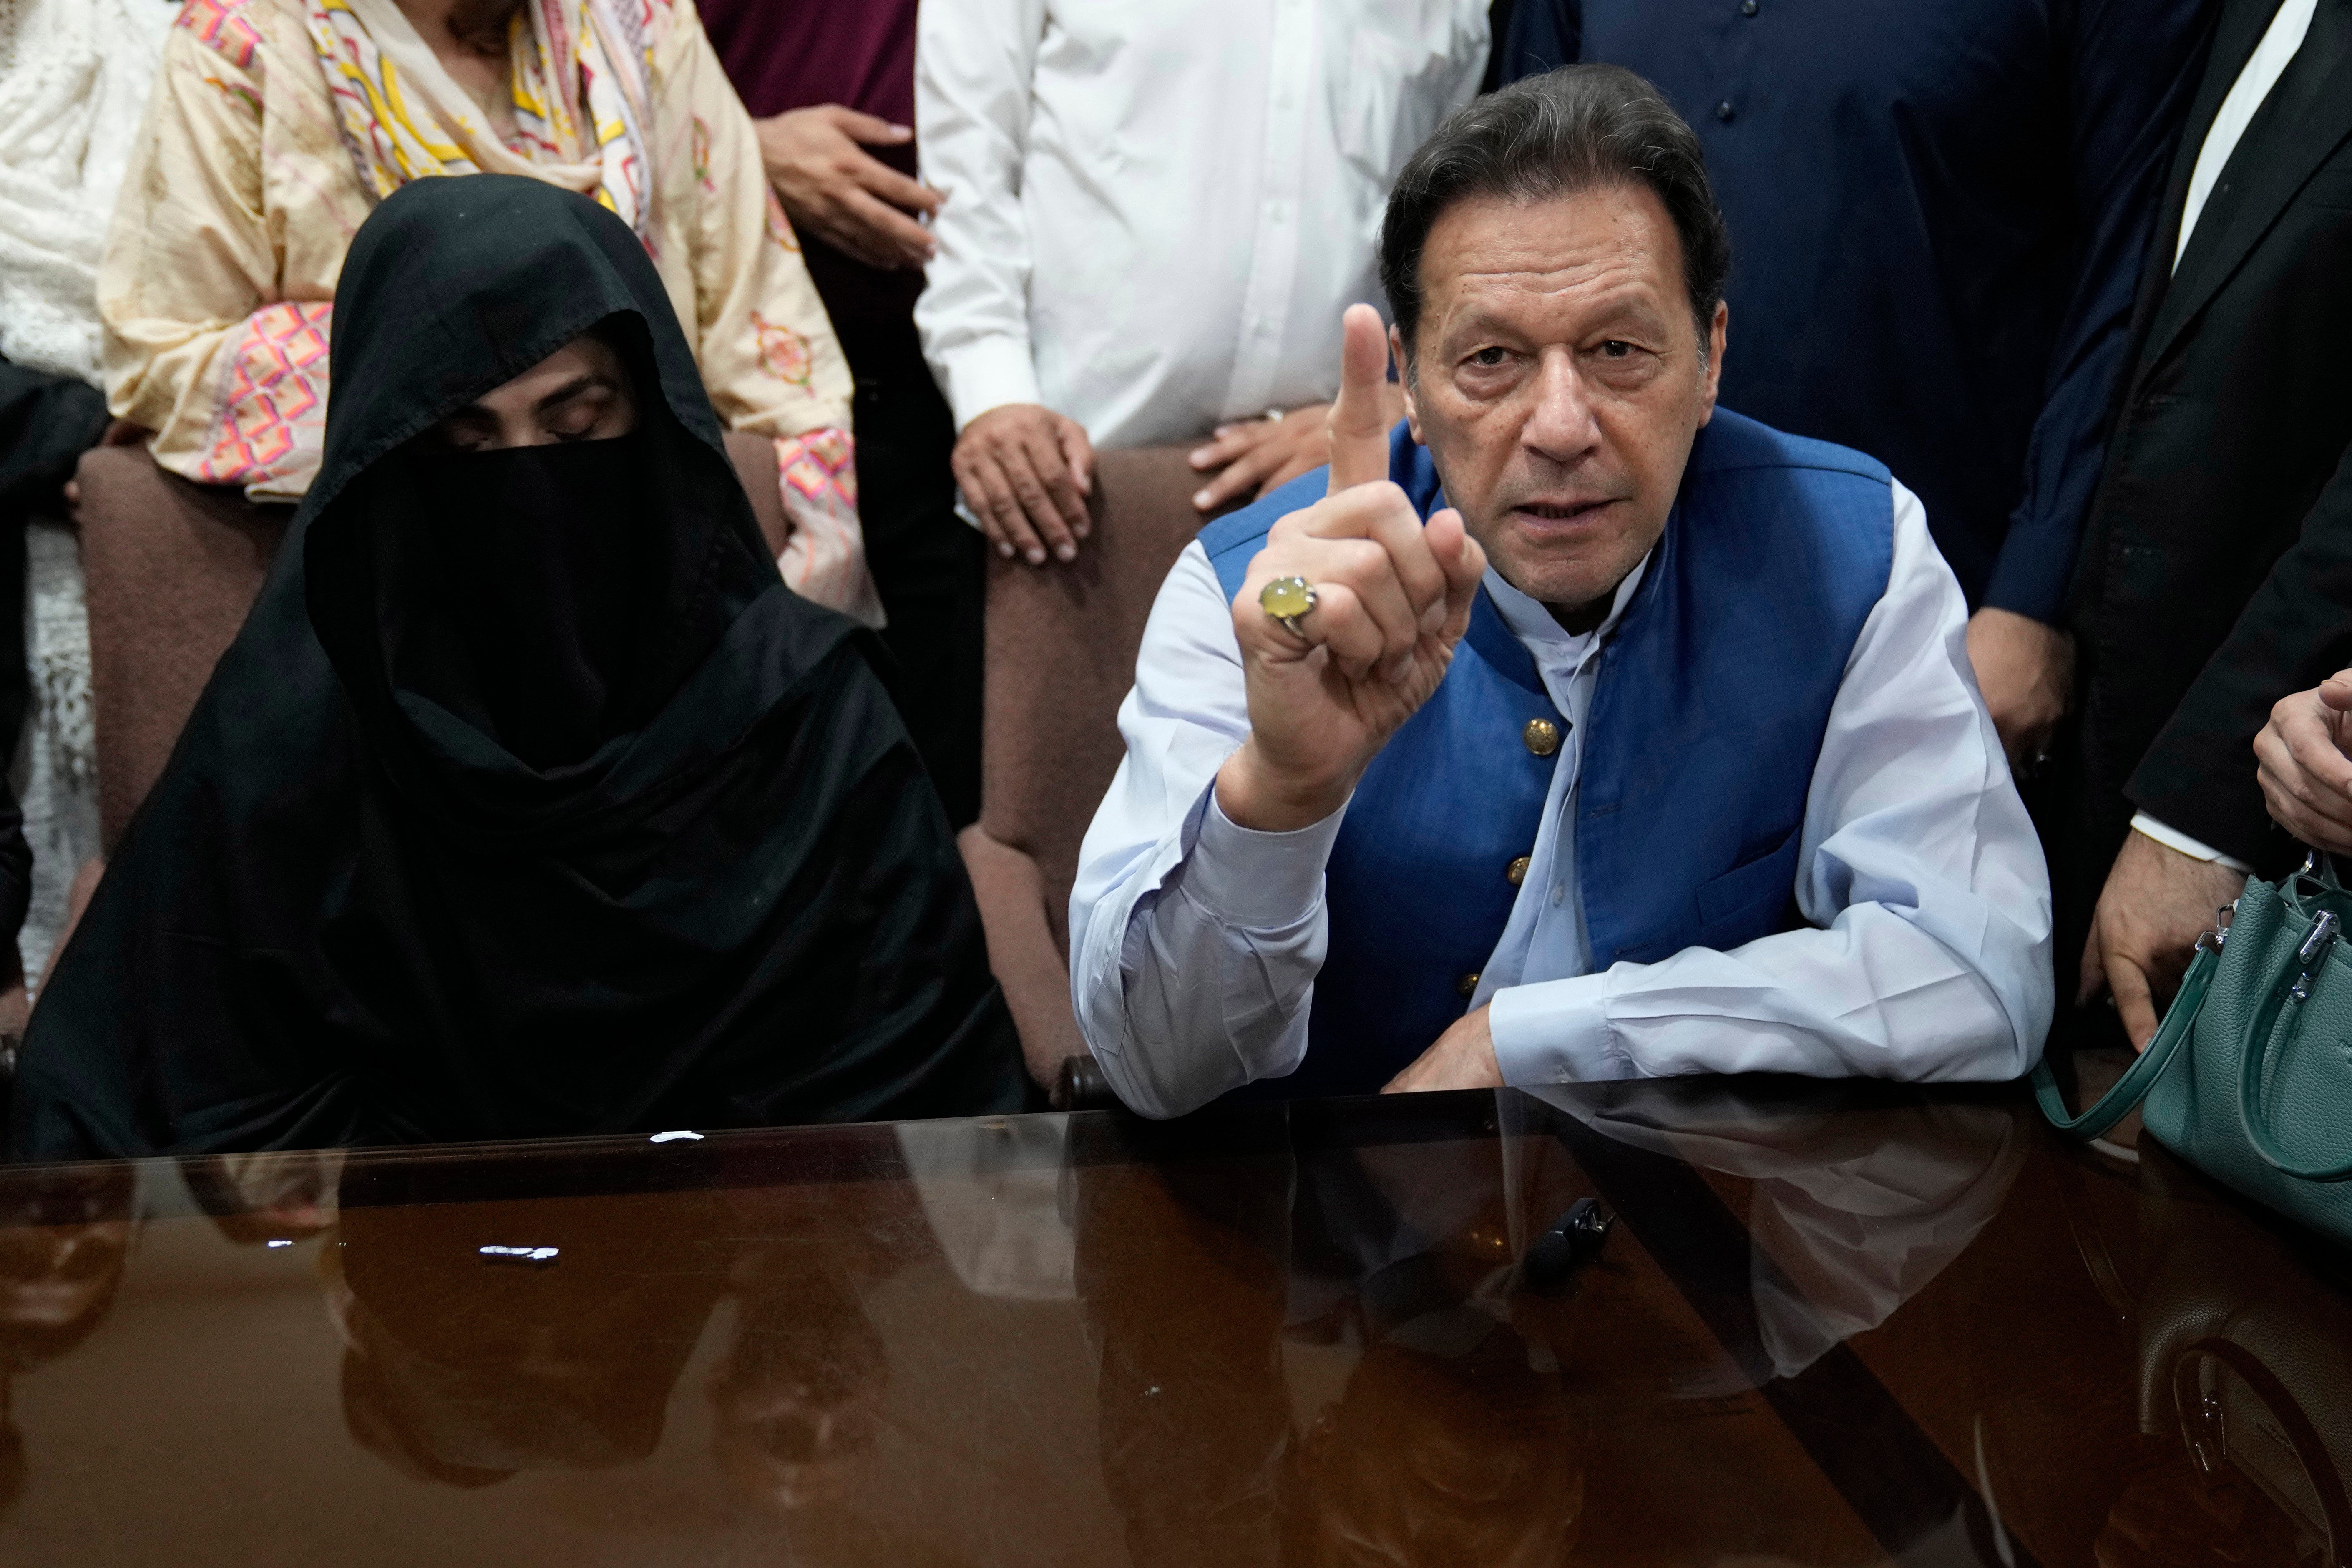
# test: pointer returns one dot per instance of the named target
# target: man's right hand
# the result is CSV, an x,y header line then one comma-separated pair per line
x,y
1025,472
832,187
2155,904
1391,600
2026,671
2304,765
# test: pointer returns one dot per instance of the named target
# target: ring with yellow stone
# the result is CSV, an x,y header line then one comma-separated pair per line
x,y
1286,599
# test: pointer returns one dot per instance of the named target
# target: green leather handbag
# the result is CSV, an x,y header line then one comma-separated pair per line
x,y
2249,1077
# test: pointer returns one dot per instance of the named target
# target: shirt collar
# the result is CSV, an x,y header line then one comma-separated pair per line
x,y
1533,624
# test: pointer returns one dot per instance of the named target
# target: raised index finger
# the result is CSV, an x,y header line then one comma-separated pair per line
x,y
1358,424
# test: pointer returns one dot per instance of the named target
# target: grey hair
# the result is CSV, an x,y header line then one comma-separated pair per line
x,y
1580,128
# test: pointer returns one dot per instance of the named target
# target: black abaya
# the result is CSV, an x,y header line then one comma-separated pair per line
x,y
529,802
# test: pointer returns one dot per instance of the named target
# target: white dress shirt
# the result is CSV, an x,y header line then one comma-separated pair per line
x,y
1194,943
2280,42
1157,213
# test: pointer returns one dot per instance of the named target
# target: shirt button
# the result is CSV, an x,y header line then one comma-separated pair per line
x,y
1749,7
1467,987
1558,892
1518,870
1724,112
1542,737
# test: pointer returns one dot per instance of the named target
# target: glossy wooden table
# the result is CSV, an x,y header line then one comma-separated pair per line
x,y
1831,1324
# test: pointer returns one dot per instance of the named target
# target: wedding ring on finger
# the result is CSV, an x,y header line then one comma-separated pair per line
x,y
1286,599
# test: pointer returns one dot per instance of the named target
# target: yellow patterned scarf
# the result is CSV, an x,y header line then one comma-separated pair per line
x,y
583,87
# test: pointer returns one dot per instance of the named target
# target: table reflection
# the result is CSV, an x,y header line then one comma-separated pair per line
x,y
1852,1212
64,1235
1386,1383
267,1197
1829,1326
2245,1341
465,1370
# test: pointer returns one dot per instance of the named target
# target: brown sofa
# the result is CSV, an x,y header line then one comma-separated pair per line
x,y
172,568
1061,656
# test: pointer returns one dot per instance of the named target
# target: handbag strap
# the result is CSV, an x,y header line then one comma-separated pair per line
x,y
2295,975
2141,1075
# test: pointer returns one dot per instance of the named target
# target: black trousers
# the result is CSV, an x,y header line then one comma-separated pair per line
x,y
929,564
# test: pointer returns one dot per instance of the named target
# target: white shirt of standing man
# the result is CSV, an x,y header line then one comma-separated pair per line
x,y
1154,214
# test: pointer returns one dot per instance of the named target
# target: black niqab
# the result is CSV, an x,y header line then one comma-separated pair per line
x,y
529,802
514,590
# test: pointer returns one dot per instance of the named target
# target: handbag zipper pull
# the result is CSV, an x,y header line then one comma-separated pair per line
x,y
2317,944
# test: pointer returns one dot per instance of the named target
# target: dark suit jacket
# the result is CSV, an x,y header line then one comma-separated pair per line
x,y
2217,573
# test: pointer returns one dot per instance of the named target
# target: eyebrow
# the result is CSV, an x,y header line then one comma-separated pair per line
x,y
1481,320
587,380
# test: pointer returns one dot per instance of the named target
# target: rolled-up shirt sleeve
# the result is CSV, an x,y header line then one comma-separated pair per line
x,y
1928,952
1194,943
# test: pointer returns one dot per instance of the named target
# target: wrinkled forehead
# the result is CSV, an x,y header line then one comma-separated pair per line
x,y
1553,264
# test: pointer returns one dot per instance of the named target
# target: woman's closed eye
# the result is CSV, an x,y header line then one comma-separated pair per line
x,y
467,430
580,417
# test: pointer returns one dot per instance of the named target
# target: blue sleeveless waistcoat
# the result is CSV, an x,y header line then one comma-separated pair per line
x,y
1705,722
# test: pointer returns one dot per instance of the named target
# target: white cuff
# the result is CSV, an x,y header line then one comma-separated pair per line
x,y
2173,838
988,372
1554,1031
1258,881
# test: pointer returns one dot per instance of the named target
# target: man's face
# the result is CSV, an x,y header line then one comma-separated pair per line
x,y
1560,382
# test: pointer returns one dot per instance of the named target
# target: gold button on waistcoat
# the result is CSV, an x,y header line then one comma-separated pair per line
x,y
1468,984
1542,737
1518,870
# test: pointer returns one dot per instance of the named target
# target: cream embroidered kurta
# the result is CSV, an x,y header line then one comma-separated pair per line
x,y
243,194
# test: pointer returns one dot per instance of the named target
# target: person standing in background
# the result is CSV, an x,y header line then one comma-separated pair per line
x,y
1937,216
1153,217
276,126
2217,573
74,77
831,86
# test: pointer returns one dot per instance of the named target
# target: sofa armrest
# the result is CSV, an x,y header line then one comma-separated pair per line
x,y
1022,953
754,457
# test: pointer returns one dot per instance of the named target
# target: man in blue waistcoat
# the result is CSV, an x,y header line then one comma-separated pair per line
x,y
1578,729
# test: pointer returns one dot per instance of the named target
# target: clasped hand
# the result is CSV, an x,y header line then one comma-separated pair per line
x,y
2303,765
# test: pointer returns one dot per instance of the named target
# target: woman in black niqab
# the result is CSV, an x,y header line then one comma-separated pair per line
x,y
529,802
